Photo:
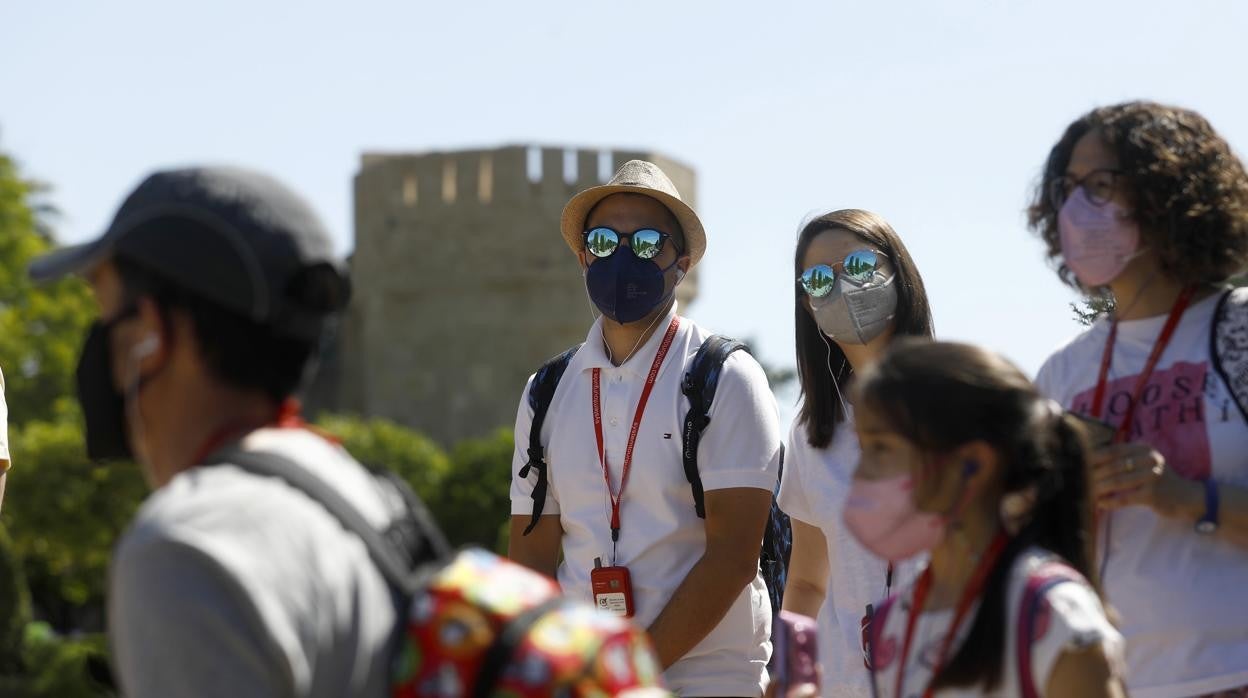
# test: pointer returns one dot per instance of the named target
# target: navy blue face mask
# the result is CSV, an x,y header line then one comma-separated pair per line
x,y
626,288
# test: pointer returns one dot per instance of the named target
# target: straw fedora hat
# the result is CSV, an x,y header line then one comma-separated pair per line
x,y
635,177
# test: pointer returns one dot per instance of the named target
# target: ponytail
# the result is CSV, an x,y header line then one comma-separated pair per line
x,y
1050,473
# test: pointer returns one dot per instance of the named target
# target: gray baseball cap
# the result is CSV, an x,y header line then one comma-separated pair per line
x,y
235,237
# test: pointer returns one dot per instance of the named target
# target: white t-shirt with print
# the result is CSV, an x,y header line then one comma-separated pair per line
x,y
661,535
813,490
1068,615
1181,595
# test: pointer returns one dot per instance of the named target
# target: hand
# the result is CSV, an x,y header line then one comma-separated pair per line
x,y
1135,474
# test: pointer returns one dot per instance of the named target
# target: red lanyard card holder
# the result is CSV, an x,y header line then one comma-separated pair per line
x,y
612,588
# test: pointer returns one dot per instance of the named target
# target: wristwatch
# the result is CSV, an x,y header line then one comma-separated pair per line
x,y
1209,522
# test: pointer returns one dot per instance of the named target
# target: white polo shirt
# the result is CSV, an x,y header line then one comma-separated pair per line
x,y
661,536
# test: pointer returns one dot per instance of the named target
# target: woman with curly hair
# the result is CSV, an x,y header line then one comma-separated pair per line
x,y
1147,203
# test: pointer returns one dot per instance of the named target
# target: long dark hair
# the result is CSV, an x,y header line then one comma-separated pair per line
x,y
821,411
940,396
1188,190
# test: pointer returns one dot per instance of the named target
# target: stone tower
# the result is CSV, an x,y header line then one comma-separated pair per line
x,y
463,285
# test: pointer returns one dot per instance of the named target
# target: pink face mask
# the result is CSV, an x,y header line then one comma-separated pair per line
x,y
1097,241
881,515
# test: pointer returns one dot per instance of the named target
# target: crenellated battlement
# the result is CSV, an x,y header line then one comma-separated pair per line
x,y
510,173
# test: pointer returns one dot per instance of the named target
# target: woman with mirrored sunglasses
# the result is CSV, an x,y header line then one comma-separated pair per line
x,y
1147,206
856,290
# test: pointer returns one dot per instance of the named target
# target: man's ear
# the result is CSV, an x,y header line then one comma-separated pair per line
x,y
582,258
684,264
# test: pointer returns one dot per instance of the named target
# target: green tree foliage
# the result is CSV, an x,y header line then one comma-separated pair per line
x,y
1092,307
65,514
380,443
15,600
474,502
467,492
41,326
35,662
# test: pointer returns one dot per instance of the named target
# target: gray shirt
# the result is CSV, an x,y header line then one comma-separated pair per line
x,y
231,584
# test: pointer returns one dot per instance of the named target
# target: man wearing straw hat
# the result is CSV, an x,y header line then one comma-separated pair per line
x,y
609,488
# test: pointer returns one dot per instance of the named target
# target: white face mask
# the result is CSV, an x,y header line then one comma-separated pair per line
x,y
854,314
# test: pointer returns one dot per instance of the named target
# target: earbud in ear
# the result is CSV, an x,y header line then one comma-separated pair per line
x,y
146,347
969,467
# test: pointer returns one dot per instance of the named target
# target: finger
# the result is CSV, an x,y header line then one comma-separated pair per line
x,y
1129,457
1132,473
1123,483
1124,467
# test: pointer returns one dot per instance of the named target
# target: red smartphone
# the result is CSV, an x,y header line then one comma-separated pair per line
x,y
613,589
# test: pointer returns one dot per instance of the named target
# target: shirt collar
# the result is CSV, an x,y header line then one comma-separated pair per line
x,y
594,355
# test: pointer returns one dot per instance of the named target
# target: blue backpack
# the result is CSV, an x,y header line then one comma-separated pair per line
x,y
699,387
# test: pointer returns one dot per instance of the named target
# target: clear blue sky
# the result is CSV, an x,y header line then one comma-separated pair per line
x,y
936,114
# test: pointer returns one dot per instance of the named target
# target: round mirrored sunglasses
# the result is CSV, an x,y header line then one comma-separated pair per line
x,y
859,266
646,243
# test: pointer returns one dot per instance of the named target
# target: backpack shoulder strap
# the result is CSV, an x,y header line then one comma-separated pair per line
x,y
699,386
397,563
541,393
1038,584
1228,345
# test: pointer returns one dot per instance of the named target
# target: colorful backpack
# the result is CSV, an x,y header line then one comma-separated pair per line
x,y
473,623
699,385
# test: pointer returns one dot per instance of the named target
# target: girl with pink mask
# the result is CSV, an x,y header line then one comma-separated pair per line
x,y
1147,206
857,288
963,459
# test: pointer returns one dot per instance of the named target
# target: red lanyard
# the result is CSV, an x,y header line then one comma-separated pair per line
x,y
632,436
288,417
969,594
1163,339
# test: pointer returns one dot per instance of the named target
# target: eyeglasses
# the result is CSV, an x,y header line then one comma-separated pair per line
x,y
859,266
1098,185
646,243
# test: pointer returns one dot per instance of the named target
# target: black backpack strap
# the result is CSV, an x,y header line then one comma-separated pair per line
x,y
701,381
541,393
398,564
499,655
1228,345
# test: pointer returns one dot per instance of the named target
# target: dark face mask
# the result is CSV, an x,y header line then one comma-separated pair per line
x,y
103,406
625,287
